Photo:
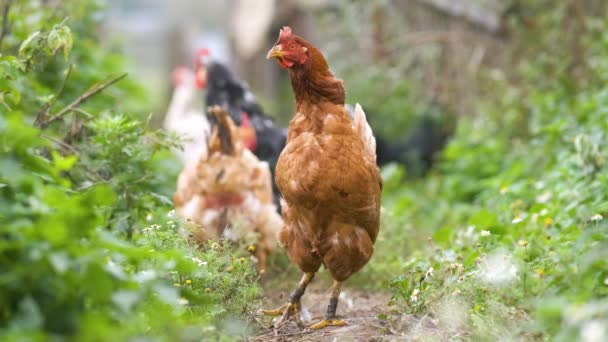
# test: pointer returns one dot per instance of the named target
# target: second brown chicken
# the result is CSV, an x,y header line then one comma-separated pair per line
x,y
228,190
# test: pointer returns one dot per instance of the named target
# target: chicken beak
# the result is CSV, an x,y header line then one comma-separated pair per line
x,y
275,52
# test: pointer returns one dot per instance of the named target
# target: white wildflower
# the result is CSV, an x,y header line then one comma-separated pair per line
x,y
149,217
543,212
517,219
485,233
414,296
183,301
198,261
171,213
429,273
544,197
597,217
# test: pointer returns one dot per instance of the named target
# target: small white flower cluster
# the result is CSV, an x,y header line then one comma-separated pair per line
x,y
517,219
171,224
597,218
151,228
199,262
544,197
414,296
456,266
485,233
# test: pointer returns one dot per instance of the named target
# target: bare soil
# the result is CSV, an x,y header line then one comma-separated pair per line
x,y
360,309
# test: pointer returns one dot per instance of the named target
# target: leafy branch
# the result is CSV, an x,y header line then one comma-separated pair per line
x,y
93,90
47,105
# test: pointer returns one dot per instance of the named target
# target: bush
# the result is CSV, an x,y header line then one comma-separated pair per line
x,y
509,234
87,249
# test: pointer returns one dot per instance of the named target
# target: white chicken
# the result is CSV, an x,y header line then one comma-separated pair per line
x,y
187,121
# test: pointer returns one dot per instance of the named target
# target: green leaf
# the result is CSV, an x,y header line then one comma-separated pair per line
x,y
26,46
126,299
60,261
63,163
484,219
443,235
97,283
167,294
60,38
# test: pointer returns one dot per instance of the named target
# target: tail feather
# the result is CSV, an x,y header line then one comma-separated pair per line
x,y
224,130
365,131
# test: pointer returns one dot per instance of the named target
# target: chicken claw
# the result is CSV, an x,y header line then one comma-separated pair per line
x,y
330,318
276,312
328,323
287,312
293,307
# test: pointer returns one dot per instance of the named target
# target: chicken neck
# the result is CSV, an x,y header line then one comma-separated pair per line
x,y
314,82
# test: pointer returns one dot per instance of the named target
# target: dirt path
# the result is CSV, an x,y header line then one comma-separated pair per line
x,y
359,308
367,313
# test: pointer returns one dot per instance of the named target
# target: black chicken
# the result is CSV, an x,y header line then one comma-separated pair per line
x,y
223,88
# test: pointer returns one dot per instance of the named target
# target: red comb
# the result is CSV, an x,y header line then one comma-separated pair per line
x,y
202,52
201,57
285,32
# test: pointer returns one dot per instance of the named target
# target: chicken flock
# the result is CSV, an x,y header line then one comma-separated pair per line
x,y
238,165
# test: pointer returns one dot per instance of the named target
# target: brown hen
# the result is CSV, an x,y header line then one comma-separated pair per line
x,y
327,175
228,187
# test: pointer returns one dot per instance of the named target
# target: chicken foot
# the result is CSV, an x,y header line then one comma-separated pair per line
x,y
293,307
330,316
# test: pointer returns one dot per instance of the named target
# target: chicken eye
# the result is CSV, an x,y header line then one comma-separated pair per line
x,y
292,46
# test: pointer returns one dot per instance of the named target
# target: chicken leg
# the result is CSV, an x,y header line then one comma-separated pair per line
x,y
330,316
293,307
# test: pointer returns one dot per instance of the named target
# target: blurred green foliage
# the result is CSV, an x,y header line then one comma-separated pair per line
x,y
510,234
87,249
505,239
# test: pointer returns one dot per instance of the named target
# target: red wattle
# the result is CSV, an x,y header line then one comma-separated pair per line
x,y
200,84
